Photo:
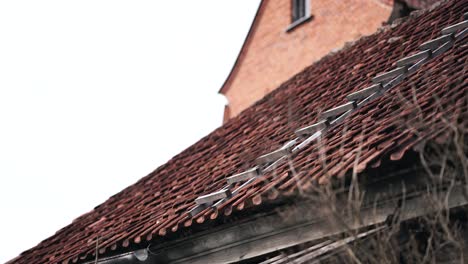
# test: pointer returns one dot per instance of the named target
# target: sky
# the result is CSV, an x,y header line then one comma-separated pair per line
x,y
96,94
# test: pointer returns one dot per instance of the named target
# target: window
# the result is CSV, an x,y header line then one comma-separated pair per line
x,y
298,9
300,13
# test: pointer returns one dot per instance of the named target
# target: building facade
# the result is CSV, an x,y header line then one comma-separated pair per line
x,y
287,36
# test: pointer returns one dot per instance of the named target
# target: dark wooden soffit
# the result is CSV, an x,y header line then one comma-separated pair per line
x,y
292,225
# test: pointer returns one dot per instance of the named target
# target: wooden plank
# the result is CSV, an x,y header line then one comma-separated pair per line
x,y
389,75
412,59
286,259
338,110
442,49
211,197
413,68
309,130
243,176
435,43
307,141
333,246
462,34
361,94
275,155
454,28
198,209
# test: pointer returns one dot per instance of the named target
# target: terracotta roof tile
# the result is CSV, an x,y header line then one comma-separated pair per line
x,y
385,128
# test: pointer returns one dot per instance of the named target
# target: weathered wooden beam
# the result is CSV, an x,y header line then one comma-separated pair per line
x,y
462,34
274,155
389,75
433,44
211,197
309,130
307,141
198,208
442,49
306,257
285,259
412,59
338,110
413,68
361,94
233,193
243,176
454,28
141,256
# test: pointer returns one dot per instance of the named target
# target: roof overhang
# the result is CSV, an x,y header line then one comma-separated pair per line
x,y
295,224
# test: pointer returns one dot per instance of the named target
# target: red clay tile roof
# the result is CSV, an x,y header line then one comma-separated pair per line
x,y
420,3
386,128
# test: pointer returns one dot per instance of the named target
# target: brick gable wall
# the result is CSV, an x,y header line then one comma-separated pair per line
x,y
271,55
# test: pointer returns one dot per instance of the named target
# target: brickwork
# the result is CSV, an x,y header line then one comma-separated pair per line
x,y
271,55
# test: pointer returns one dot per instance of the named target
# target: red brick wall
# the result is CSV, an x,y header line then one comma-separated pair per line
x,y
271,55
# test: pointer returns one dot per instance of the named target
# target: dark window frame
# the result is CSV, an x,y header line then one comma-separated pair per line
x,y
298,10
300,13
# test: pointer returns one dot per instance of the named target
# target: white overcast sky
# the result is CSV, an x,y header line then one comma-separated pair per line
x,y
96,94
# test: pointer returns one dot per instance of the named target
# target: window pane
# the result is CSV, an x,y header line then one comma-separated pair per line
x,y
301,8
298,9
